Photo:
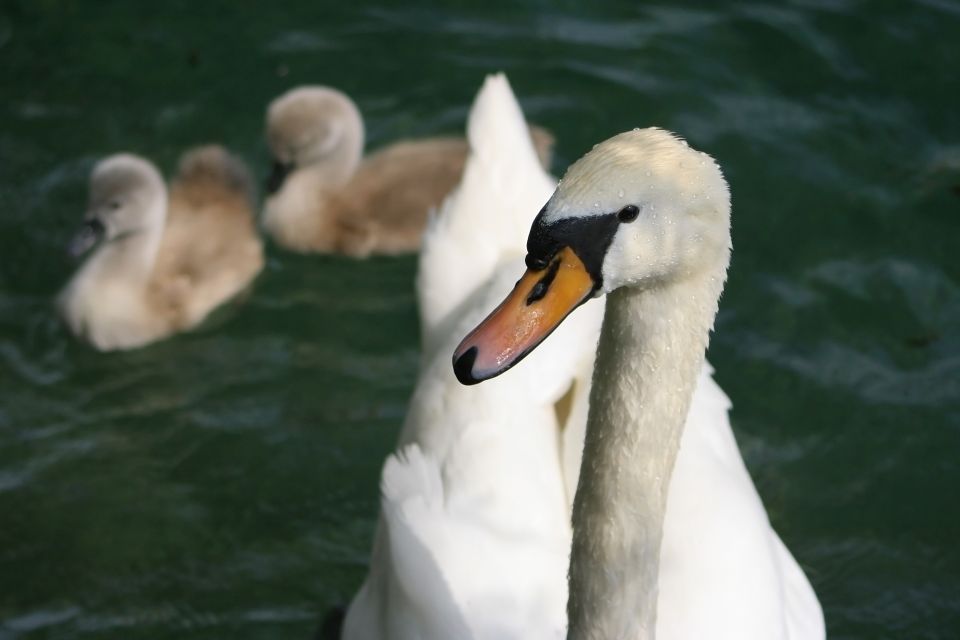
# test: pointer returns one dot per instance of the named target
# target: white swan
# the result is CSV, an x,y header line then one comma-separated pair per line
x,y
659,550
164,260
325,197
474,526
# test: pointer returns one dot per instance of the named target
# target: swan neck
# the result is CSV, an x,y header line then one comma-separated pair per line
x,y
651,349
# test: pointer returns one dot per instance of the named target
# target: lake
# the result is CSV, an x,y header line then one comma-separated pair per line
x,y
224,483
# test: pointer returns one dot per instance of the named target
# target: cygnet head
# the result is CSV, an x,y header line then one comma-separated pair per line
x,y
127,198
640,210
310,126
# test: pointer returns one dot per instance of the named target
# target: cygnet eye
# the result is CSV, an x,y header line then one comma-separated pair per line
x,y
629,213
114,204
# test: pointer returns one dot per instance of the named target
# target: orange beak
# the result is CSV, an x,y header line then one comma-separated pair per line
x,y
537,305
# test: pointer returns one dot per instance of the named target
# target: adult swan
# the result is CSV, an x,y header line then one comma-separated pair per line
x,y
645,219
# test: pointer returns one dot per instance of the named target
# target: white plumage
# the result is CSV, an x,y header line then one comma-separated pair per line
x,y
474,534
474,537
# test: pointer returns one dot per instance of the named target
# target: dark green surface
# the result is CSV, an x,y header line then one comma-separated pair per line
x,y
223,484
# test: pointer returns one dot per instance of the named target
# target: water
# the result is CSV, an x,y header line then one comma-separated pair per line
x,y
224,483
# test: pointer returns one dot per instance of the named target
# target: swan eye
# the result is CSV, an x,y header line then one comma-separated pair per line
x,y
114,204
629,213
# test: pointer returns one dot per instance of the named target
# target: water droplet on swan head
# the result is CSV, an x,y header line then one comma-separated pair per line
x,y
620,193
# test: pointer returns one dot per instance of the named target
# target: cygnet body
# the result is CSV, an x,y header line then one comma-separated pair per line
x,y
325,197
161,259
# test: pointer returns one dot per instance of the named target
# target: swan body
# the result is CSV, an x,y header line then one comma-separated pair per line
x,y
166,258
325,197
475,492
670,539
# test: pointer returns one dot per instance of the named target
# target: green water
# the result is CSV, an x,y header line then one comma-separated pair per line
x,y
223,483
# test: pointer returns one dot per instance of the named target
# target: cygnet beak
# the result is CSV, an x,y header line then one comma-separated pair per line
x,y
91,233
537,305
278,174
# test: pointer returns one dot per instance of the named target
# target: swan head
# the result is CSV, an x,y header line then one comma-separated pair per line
x,y
310,126
127,198
641,210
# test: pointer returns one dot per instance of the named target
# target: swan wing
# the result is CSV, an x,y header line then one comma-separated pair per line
x,y
474,531
724,573
486,217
